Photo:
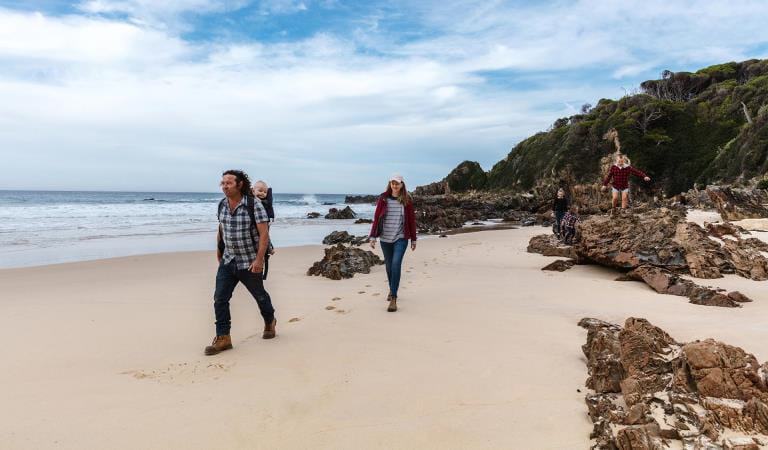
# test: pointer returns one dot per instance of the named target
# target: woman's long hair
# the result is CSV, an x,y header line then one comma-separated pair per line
x,y
404,197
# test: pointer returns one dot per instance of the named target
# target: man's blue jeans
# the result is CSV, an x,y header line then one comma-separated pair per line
x,y
226,279
393,260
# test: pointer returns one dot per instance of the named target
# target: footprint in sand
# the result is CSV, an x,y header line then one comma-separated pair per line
x,y
330,308
295,319
335,299
376,294
341,311
361,292
368,285
197,371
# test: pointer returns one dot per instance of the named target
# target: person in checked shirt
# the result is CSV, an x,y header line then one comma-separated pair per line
x,y
619,176
243,241
570,220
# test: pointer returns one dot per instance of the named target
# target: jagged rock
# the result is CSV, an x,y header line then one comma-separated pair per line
x,y
603,355
721,229
737,296
747,259
344,262
673,391
561,265
353,199
358,221
343,237
665,282
627,240
704,257
345,213
313,215
737,204
548,245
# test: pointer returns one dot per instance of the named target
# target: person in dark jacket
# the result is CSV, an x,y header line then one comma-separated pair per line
x,y
394,224
559,208
618,176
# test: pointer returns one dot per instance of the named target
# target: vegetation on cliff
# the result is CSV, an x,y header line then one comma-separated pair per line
x,y
684,128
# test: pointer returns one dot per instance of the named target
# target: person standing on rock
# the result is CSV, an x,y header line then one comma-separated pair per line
x,y
394,223
618,176
559,208
243,243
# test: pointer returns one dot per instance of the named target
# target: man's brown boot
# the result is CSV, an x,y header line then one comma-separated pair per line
x,y
392,305
270,330
219,344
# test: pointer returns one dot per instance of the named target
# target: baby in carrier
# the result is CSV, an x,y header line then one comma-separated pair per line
x,y
263,192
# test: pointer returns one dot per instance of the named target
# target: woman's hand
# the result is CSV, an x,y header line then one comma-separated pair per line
x,y
372,242
413,245
647,179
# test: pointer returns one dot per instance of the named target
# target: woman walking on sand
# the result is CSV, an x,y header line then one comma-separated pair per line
x,y
559,208
619,175
394,223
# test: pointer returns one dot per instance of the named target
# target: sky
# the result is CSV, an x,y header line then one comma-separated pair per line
x,y
322,96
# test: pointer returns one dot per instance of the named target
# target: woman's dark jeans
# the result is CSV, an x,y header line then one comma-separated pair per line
x,y
393,260
226,279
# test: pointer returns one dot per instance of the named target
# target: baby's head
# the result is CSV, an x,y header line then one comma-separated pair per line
x,y
260,189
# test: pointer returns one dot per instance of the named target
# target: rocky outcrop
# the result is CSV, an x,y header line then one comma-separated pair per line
x,y
664,239
665,282
650,390
738,204
344,262
343,237
627,240
357,199
345,213
548,245
359,221
313,215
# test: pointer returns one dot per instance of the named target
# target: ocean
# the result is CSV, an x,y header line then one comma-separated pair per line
x,y
49,227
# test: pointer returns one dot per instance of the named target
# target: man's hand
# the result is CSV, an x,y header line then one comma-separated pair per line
x,y
257,266
413,245
372,242
647,179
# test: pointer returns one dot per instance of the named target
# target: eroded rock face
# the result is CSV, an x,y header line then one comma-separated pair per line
x,y
626,240
665,282
704,256
548,245
343,237
738,204
668,391
344,262
346,213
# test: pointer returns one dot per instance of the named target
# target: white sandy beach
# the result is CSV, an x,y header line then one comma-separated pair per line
x,y
484,352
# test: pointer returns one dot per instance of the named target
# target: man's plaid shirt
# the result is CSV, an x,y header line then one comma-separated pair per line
x,y
241,238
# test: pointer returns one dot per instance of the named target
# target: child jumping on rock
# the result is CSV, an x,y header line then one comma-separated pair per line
x,y
618,176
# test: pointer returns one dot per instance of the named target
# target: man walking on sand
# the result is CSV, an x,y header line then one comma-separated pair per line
x,y
243,239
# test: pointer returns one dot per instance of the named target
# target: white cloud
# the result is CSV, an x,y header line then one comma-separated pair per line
x,y
95,101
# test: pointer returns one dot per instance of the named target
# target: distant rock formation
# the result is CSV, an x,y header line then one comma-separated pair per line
x,y
343,237
353,199
650,390
346,213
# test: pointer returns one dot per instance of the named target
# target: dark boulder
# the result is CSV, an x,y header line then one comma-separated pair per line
x,y
345,213
343,237
344,262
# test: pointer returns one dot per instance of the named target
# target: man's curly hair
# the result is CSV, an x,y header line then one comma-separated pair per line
x,y
240,177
